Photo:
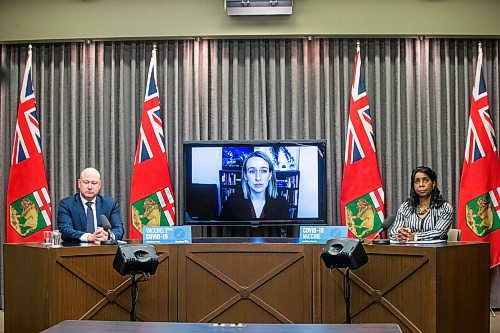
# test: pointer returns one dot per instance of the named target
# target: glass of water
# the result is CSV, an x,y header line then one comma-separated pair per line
x,y
47,237
56,238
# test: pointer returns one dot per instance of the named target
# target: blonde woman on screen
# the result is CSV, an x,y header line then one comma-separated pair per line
x,y
258,197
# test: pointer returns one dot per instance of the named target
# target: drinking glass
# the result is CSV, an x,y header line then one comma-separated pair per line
x,y
47,237
56,238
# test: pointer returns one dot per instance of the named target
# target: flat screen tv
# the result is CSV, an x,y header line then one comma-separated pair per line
x,y
284,182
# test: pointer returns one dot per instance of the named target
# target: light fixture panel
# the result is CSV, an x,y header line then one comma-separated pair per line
x,y
258,7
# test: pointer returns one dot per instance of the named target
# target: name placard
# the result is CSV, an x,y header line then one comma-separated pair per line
x,y
166,235
321,234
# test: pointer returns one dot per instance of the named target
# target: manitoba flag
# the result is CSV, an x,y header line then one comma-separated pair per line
x,y
151,195
362,196
479,197
28,200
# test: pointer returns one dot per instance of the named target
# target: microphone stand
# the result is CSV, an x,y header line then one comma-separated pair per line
x,y
109,241
381,241
134,292
347,296
385,227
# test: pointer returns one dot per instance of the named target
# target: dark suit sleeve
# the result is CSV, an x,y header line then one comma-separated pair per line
x,y
115,220
65,221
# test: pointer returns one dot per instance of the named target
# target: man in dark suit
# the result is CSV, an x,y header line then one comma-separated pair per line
x,y
78,215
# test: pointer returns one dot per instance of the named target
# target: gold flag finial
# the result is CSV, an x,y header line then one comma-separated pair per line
x,y
29,47
154,46
479,46
358,45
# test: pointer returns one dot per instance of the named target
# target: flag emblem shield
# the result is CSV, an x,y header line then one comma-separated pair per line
x,y
29,214
362,217
482,214
152,211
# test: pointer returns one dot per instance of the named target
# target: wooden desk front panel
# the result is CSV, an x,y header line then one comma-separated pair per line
x,y
103,293
463,288
413,286
248,283
26,289
80,283
423,289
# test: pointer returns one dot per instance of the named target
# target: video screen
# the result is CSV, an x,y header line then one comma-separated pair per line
x,y
254,182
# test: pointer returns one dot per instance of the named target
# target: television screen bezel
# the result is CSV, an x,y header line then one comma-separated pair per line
x,y
321,144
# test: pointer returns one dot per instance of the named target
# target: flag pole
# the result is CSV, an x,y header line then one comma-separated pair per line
x,y
153,53
27,182
147,191
480,51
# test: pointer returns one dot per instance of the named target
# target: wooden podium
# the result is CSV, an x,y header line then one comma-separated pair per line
x,y
44,286
423,288
439,288
245,283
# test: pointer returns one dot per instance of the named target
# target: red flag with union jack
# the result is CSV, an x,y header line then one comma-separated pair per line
x,y
28,200
362,196
479,197
151,194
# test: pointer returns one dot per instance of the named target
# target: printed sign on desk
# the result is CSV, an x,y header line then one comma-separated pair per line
x,y
321,234
166,235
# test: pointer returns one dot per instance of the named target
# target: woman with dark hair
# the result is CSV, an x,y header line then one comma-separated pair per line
x,y
258,198
425,215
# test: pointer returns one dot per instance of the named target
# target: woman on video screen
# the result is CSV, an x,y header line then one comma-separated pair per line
x,y
258,198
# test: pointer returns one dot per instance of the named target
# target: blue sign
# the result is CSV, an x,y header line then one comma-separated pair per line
x,y
320,235
166,235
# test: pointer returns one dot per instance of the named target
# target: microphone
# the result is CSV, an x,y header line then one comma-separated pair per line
x,y
106,226
385,226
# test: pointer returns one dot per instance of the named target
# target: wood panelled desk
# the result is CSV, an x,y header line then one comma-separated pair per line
x,y
422,288
44,286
